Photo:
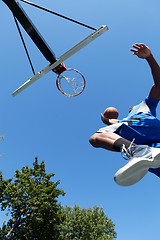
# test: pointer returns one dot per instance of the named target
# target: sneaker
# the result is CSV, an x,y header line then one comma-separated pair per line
x,y
141,158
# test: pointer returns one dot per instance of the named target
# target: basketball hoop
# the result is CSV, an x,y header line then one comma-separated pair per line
x,y
75,90
71,82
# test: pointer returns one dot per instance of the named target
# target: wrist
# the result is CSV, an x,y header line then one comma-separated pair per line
x,y
149,57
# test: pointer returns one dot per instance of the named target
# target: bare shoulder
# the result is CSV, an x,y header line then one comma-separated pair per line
x,y
155,92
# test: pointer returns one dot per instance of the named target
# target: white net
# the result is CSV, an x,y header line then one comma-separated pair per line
x,y
71,83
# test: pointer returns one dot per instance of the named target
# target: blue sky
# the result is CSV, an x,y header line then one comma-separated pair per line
x,y
41,121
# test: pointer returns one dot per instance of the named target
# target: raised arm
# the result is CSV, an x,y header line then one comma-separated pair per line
x,y
142,51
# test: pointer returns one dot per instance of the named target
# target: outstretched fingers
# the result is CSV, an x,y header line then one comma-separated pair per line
x,y
137,47
134,51
141,50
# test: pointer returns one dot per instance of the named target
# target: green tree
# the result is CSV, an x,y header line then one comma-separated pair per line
x,y
31,198
86,224
3,230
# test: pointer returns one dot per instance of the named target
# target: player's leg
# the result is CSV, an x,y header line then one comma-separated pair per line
x,y
141,157
109,141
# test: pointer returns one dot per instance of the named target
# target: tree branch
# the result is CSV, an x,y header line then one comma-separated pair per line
x,y
16,224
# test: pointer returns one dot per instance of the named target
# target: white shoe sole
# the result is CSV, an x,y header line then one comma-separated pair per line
x,y
137,168
133,171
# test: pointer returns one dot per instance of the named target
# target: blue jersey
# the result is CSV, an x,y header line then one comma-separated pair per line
x,y
142,125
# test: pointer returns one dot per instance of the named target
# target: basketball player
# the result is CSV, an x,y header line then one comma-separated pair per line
x,y
137,136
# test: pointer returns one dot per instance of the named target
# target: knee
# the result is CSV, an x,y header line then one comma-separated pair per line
x,y
94,140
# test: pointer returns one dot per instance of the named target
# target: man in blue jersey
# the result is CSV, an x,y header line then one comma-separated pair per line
x,y
137,136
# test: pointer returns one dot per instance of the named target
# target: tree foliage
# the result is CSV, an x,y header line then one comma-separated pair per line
x,y
31,200
89,224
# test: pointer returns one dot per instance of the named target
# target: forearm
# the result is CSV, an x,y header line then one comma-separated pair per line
x,y
155,69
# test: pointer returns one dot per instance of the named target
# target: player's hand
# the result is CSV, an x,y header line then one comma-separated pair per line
x,y
108,121
141,50
105,120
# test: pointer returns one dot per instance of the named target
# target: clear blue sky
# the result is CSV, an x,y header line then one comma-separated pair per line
x,y
41,121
